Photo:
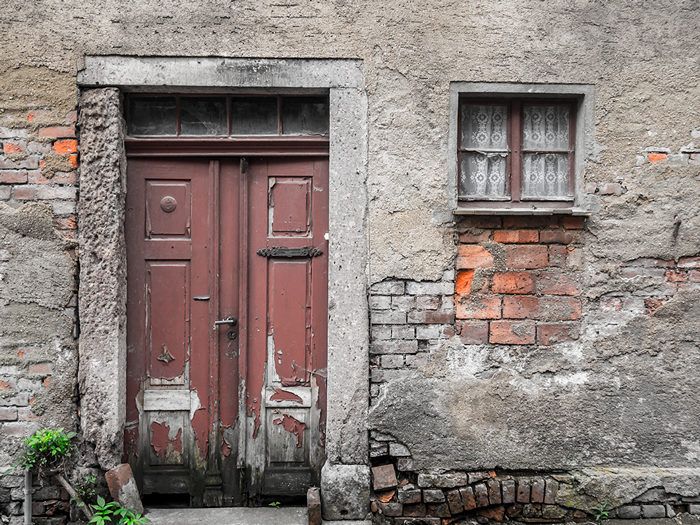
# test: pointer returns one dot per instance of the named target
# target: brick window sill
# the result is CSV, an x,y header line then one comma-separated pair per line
x,y
486,210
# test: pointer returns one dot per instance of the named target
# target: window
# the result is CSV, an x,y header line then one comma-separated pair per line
x,y
516,150
221,116
516,147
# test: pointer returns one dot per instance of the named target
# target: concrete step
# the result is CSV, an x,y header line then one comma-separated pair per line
x,y
229,516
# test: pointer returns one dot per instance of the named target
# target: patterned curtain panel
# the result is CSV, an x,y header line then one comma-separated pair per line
x,y
484,143
546,131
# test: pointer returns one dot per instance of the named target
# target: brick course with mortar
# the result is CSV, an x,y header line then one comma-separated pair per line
x,y
38,186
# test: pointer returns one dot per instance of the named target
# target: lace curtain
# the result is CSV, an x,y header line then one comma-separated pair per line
x,y
484,135
545,130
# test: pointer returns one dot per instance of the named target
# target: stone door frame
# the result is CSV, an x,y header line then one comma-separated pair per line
x,y
102,252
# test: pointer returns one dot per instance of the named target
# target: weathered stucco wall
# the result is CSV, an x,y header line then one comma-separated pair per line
x,y
624,393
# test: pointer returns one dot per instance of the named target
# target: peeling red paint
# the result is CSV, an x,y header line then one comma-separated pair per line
x,y
285,395
321,403
293,426
161,442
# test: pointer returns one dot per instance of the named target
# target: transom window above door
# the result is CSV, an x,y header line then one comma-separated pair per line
x,y
223,116
513,150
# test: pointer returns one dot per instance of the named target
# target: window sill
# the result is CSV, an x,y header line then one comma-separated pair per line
x,y
540,210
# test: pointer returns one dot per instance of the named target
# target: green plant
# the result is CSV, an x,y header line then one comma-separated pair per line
x,y
86,488
274,504
47,448
114,513
601,512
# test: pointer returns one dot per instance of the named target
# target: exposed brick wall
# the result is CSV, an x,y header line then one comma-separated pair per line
x,y
38,192
408,318
518,280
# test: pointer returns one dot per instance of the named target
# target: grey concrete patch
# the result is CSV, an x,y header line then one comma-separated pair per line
x,y
229,516
102,294
345,491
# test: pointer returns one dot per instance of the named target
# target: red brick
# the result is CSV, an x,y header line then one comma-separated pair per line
x,y
512,332
676,276
558,255
655,157
653,303
473,332
513,282
573,223
65,146
550,333
558,237
23,194
65,223
11,147
40,368
463,282
470,237
516,236
470,256
557,284
526,257
525,221
482,307
13,177
525,307
73,161
483,221
431,317
57,132
545,308
689,262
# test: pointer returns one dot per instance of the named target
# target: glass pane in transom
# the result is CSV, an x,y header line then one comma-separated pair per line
x,y
254,116
152,116
203,116
546,127
484,126
305,116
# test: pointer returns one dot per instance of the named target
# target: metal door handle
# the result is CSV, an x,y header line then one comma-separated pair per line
x,y
229,320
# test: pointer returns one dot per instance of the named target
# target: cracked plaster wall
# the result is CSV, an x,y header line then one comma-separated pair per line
x,y
626,392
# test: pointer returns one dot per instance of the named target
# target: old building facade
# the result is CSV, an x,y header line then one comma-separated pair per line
x,y
452,248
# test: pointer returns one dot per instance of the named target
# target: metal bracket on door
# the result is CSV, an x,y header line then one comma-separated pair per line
x,y
281,251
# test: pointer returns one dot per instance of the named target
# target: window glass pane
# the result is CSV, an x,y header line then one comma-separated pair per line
x,y
305,116
546,127
545,175
203,116
254,116
152,116
483,176
484,127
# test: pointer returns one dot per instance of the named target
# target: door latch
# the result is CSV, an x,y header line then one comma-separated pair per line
x,y
232,322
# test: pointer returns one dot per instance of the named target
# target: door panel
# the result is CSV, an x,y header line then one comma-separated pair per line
x,y
209,241
285,398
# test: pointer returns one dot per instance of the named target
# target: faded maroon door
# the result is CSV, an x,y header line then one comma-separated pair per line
x,y
227,324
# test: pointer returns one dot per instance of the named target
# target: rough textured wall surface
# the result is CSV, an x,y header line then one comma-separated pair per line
x,y
102,373
624,393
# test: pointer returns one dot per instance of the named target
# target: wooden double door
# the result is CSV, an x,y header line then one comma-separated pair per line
x,y
227,326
